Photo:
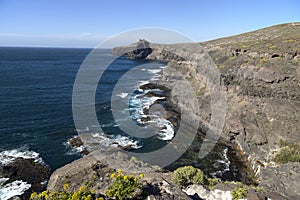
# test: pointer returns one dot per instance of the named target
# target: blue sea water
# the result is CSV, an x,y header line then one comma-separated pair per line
x,y
36,87
35,100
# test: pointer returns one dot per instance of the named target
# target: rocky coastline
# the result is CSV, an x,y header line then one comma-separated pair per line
x,y
260,74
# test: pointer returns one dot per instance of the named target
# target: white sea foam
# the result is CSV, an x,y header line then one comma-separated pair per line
x,y
167,133
143,82
154,71
75,150
115,141
122,95
9,156
109,125
83,130
139,103
148,101
225,161
12,189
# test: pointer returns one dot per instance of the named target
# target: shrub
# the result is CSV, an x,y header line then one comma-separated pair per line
x,y
188,175
238,193
125,186
288,153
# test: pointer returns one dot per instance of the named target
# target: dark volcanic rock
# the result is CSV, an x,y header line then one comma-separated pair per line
x,y
139,50
28,171
77,142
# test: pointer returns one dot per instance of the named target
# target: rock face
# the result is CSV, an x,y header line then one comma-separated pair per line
x,y
260,74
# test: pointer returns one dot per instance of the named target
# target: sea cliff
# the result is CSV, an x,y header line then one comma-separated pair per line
x,y
260,76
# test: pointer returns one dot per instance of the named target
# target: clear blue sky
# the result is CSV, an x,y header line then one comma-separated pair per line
x,y
85,23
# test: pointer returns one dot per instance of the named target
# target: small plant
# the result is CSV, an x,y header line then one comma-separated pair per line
x,y
259,189
239,184
125,186
238,193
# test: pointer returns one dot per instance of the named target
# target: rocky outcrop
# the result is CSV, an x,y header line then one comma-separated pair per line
x,y
139,50
259,72
29,171
94,170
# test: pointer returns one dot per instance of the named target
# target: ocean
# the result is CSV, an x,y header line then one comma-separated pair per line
x,y
36,120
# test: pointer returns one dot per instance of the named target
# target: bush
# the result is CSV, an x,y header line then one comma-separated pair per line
x,y
125,186
188,175
288,153
239,193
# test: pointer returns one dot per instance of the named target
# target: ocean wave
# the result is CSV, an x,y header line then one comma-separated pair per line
x,y
12,189
9,156
101,141
74,150
143,82
116,141
154,71
123,95
167,129
83,130
138,103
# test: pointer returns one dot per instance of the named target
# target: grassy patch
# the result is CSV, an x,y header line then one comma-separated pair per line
x,y
289,153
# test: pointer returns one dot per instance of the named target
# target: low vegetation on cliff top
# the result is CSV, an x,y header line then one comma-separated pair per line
x,y
289,152
122,187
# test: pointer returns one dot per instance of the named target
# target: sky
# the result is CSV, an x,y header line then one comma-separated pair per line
x,y
86,23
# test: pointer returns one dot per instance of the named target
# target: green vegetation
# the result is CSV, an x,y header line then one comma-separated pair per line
x,y
259,189
122,187
238,193
188,175
289,153
125,186
82,194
